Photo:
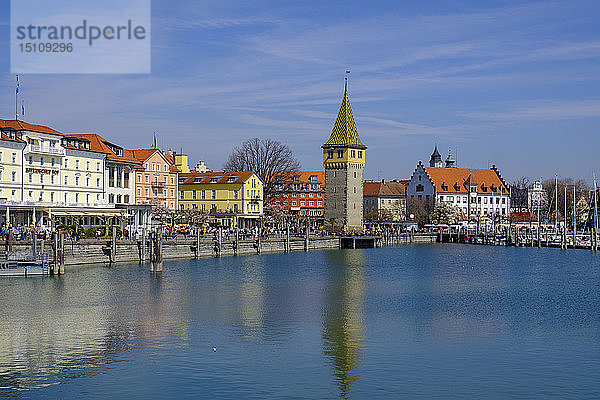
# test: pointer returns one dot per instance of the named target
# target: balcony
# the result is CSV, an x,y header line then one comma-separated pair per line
x,y
158,184
34,148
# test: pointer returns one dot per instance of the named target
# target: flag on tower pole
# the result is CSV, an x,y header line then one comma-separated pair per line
x,y
17,99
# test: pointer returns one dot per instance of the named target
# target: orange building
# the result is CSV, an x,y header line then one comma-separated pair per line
x,y
156,183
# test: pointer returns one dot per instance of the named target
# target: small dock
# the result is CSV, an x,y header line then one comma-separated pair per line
x,y
23,268
360,242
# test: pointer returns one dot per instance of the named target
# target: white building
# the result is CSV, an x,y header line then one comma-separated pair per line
x,y
537,196
476,193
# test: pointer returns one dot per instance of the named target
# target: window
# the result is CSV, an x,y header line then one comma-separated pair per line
x,y
139,191
353,153
153,166
14,176
172,192
193,194
329,154
213,194
87,165
76,181
98,166
172,180
146,192
420,187
41,160
76,164
52,179
30,160
30,178
147,178
14,158
181,194
66,180
360,154
76,197
235,194
340,153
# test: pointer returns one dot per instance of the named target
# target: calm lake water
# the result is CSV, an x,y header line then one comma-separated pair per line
x,y
430,321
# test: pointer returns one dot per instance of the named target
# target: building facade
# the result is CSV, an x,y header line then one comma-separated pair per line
x,y
119,181
231,199
303,195
475,193
46,174
156,181
344,161
537,197
385,196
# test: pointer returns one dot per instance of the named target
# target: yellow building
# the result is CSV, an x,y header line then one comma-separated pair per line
x,y
181,162
232,199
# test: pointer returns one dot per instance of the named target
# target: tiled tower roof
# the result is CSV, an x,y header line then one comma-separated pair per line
x,y
344,131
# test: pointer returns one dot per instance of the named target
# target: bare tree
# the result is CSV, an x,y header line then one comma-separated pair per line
x,y
417,209
271,160
519,192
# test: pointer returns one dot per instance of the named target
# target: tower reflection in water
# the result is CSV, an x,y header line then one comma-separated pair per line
x,y
343,325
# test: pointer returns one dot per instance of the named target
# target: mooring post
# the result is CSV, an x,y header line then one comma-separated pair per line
x,y
236,243
61,253
220,238
54,268
158,267
287,237
144,245
197,242
307,233
353,242
151,251
34,243
258,241
113,245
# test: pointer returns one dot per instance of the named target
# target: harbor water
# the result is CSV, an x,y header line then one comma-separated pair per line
x,y
415,321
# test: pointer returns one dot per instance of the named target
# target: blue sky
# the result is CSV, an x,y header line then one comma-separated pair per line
x,y
516,84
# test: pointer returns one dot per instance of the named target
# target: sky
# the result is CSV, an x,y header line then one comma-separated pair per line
x,y
515,84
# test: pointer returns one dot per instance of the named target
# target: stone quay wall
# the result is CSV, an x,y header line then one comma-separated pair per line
x,y
95,251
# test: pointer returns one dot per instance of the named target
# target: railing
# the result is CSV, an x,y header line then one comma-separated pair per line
x,y
34,148
158,184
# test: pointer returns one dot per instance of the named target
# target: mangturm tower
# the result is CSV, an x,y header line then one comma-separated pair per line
x,y
344,161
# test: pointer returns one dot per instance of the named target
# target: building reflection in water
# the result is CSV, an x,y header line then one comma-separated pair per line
x,y
343,325
252,296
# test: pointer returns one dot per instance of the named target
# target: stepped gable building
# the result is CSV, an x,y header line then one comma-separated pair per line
x,y
389,196
476,193
303,195
344,161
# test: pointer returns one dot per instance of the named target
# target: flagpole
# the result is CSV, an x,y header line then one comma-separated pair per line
x,y
17,100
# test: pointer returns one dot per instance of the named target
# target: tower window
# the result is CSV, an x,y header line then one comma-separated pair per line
x,y
329,154
352,153
360,154
340,154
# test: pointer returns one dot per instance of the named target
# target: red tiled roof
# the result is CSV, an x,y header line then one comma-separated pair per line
x,y
390,189
187,178
523,217
26,126
457,180
143,154
99,144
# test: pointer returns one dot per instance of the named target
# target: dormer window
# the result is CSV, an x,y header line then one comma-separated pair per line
x,y
231,179
444,187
